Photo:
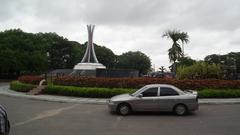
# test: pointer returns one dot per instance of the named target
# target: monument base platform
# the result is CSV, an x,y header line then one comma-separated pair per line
x,y
89,66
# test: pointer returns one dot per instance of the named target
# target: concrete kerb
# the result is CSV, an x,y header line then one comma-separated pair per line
x,y
4,90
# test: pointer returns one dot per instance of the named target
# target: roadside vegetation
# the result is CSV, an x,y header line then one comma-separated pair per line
x,y
51,51
107,88
92,92
21,87
218,93
199,70
141,81
213,66
214,77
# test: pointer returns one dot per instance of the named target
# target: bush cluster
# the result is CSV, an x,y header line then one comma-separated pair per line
x,y
21,87
30,79
94,92
85,91
108,92
199,70
139,82
214,93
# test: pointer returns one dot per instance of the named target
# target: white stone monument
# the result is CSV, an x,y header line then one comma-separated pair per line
x,y
89,60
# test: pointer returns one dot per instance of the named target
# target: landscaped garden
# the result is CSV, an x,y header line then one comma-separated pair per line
x,y
214,77
108,87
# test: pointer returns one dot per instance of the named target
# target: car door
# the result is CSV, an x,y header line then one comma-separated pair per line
x,y
167,99
148,100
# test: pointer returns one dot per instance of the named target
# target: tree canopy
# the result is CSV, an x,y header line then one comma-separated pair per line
x,y
199,70
185,61
134,60
230,64
176,52
34,53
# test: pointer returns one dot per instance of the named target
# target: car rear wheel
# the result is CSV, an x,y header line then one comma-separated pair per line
x,y
180,109
124,109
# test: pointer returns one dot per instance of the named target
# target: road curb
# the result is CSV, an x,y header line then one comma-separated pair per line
x,y
4,90
54,100
218,103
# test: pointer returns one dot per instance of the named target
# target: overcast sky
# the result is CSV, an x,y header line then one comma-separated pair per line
x,y
132,25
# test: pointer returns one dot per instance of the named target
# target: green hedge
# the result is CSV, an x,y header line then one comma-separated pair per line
x,y
216,93
21,87
85,91
109,92
96,92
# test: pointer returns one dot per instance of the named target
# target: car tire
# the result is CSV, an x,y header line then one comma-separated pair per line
x,y
123,109
180,110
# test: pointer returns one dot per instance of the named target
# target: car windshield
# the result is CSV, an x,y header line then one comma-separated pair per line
x,y
136,92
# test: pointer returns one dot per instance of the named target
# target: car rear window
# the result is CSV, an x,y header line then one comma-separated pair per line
x,y
166,91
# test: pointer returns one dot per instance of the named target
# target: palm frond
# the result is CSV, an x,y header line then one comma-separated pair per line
x,y
176,52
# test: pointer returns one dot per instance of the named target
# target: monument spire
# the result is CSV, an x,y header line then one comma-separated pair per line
x,y
90,55
89,61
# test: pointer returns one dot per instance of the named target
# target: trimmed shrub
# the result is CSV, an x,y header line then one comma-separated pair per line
x,y
95,92
139,82
30,79
85,91
21,87
110,92
214,93
199,70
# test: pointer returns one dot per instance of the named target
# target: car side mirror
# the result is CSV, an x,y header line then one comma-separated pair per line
x,y
140,95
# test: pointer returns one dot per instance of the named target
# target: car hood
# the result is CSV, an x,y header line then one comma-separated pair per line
x,y
121,97
191,92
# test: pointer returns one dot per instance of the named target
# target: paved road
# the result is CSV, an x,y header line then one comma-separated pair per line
x,y
53,118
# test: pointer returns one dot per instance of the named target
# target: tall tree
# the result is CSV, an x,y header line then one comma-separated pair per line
x,y
230,64
185,61
200,70
176,52
162,69
134,60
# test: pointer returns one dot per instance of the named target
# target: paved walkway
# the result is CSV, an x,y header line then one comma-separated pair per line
x,y
4,90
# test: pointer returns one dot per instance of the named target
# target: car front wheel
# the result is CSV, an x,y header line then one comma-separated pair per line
x,y
180,109
124,109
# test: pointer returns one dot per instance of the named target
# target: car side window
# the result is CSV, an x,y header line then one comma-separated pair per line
x,y
151,92
166,91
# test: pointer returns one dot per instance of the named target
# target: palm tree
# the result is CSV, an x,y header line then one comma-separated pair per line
x,y
176,52
162,69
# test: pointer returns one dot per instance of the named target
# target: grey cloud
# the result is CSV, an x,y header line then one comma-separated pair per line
x,y
185,14
8,9
125,12
213,14
124,25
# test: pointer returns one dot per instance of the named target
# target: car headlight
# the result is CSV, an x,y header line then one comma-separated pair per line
x,y
110,102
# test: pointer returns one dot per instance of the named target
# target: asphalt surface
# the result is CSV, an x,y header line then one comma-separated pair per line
x,y
54,118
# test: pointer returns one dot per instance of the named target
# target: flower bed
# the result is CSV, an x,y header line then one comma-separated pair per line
x,y
95,92
139,82
29,79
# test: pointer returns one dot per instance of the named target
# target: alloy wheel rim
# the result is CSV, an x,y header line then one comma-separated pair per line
x,y
180,110
124,110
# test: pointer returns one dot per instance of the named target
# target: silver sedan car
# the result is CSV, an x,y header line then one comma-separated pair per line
x,y
155,97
